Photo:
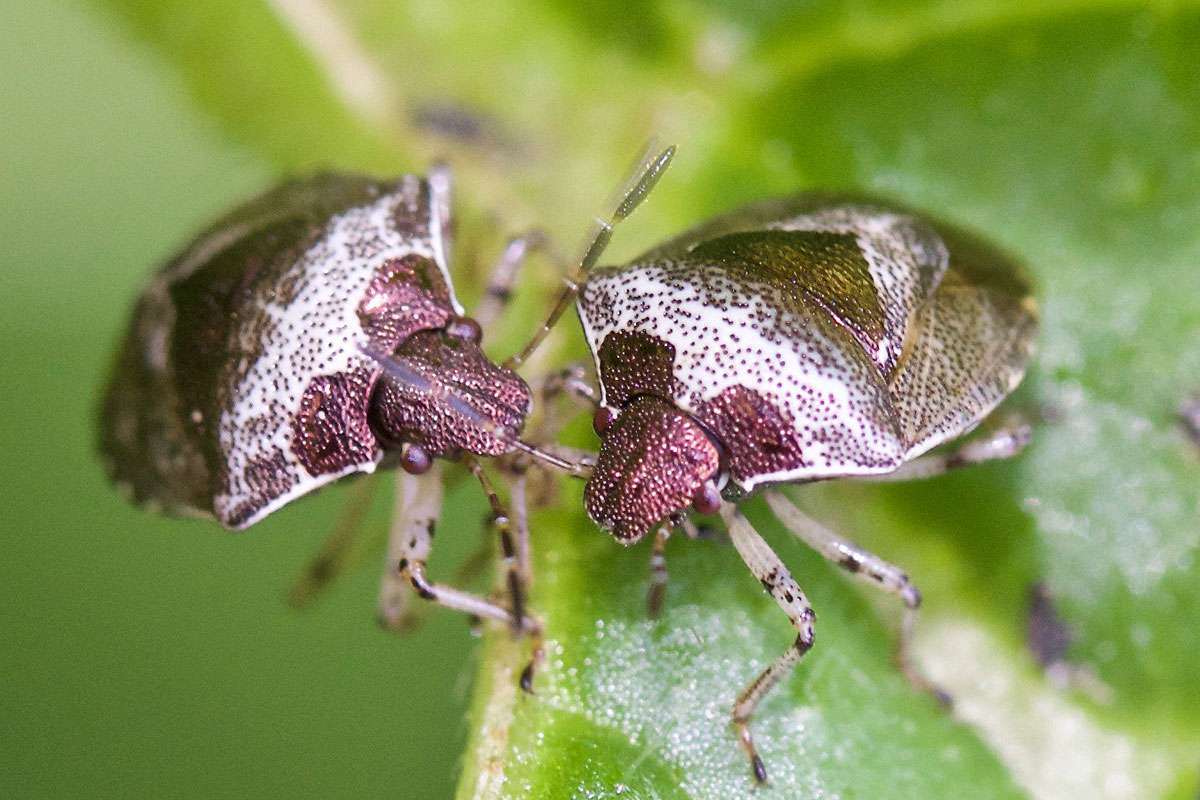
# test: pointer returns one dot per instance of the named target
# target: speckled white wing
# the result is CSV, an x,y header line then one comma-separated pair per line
x,y
314,331
906,257
725,335
256,325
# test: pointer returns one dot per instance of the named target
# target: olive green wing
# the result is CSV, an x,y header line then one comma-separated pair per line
x,y
968,348
871,264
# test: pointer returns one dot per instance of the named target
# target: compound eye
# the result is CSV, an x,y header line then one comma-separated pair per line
x,y
414,460
601,420
465,328
707,499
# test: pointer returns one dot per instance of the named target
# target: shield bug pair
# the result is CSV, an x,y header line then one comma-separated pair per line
x,y
311,334
791,341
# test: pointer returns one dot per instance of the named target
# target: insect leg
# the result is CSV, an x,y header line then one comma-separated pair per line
x,y
338,550
867,567
520,524
418,503
770,570
502,525
503,277
518,481
421,499
658,571
514,577
1002,443
571,381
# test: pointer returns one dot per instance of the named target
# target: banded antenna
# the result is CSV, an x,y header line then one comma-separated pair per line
x,y
648,169
402,372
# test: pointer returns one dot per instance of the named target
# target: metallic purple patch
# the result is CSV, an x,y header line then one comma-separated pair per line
x,y
456,369
652,461
759,438
406,295
634,363
331,432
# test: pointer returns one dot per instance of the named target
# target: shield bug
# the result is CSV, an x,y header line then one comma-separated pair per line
x,y
791,341
311,334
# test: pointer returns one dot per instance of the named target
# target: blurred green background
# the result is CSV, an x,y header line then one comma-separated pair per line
x,y
146,656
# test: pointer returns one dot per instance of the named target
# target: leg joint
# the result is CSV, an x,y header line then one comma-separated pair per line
x,y
415,572
422,588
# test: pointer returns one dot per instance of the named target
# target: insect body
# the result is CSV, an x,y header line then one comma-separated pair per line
x,y
311,334
314,333
796,340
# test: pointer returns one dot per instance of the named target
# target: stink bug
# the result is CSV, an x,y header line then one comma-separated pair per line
x,y
310,334
791,341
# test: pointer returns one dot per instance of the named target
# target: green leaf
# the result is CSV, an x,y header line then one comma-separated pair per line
x,y
644,704
252,68
1069,132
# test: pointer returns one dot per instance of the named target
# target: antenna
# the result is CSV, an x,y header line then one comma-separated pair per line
x,y
643,177
402,371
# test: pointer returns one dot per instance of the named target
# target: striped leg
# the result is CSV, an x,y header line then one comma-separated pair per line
x,y
770,570
503,277
658,571
420,497
510,565
520,525
867,567
417,505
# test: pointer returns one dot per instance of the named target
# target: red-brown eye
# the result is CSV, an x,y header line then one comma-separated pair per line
x,y
707,499
601,420
465,328
414,460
